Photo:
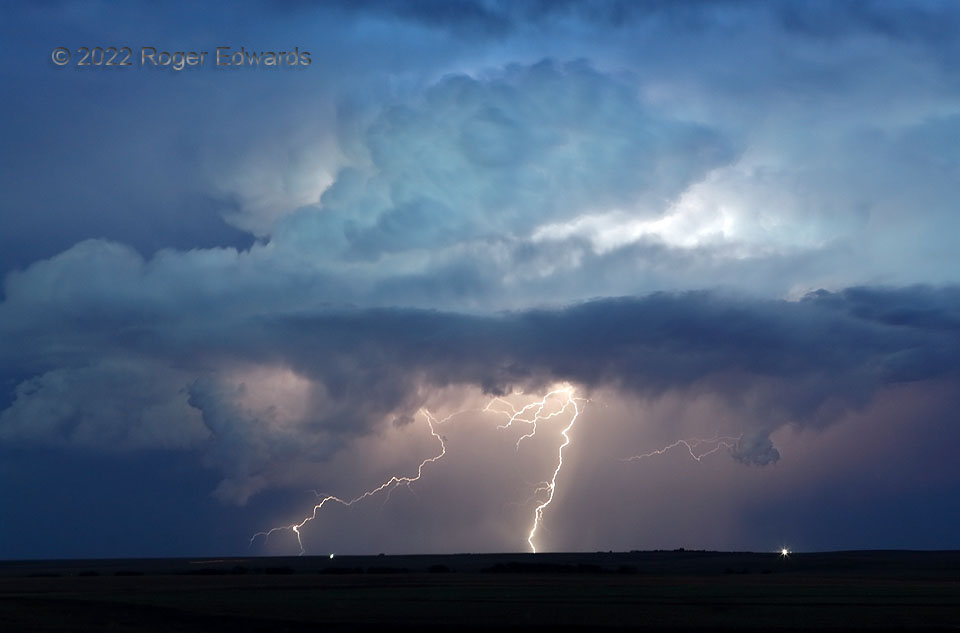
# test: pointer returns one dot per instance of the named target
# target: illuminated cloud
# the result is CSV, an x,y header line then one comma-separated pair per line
x,y
343,373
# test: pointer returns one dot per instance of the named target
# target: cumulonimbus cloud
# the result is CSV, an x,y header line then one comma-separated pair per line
x,y
395,284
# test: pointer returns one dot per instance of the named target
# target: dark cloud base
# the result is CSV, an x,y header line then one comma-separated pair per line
x,y
799,362
828,344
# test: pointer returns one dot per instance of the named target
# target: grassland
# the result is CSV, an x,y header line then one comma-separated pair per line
x,y
655,591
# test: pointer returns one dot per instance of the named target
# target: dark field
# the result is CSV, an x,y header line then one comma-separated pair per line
x,y
715,591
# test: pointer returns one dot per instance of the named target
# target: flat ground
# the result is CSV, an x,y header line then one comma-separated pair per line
x,y
656,591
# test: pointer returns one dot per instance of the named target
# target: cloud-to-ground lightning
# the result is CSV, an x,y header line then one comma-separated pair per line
x,y
555,403
529,414
693,447
517,415
551,487
390,484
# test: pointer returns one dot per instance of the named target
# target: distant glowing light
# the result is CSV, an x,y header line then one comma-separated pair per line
x,y
784,552
331,556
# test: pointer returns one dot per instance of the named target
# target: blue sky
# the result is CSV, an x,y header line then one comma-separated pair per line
x,y
225,288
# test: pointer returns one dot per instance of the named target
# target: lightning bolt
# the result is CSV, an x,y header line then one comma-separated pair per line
x,y
551,487
530,414
515,415
388,485
693,446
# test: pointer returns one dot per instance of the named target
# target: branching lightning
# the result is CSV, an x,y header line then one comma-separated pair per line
x,y
389,485
551,487
530,414
693,446
516,415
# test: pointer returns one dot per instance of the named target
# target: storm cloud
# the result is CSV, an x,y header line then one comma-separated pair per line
x,y
801,363
732,218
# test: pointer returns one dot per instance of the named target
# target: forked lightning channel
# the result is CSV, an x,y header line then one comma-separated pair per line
x,y
530,414
694,446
